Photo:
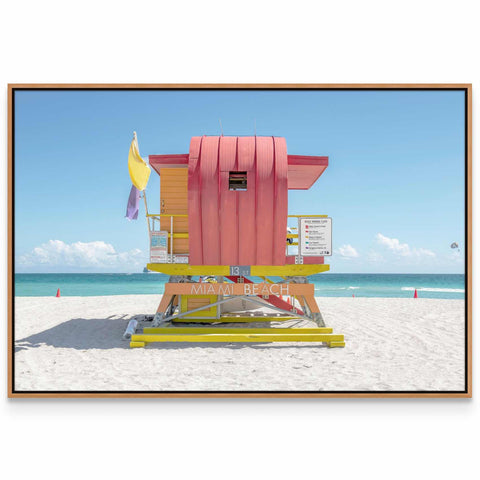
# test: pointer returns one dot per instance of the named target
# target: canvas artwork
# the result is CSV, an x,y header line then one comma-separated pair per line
x,y
240,240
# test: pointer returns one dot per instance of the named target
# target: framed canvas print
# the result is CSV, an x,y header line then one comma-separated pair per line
x,y
240,240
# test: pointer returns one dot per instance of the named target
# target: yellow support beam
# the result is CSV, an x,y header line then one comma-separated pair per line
x,y
309,216
175,215
223,330
178,235
239,337
224,270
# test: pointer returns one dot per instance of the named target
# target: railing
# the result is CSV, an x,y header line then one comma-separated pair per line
x,y
155,232
161,251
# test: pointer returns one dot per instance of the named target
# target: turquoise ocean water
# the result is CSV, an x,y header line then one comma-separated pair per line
x,y
328,285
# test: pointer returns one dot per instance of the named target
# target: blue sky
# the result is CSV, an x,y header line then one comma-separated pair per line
x,y
394,186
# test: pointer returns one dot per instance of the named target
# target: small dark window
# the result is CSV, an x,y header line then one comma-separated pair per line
x,y
237,181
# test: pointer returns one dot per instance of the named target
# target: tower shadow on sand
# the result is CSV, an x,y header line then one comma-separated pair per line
x,y
107,333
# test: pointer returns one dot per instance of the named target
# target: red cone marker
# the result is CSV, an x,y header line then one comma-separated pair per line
x,y
415,295
58,293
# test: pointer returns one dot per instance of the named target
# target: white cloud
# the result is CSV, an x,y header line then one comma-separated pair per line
x,y
403,249
394,245
56,253
347,251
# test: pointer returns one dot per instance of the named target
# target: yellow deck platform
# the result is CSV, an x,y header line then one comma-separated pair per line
x,y
256,270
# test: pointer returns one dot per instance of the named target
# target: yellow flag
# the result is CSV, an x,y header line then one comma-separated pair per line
x,y
137,167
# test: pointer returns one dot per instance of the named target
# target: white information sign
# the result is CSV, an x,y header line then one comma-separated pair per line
x,y
158,247
315,236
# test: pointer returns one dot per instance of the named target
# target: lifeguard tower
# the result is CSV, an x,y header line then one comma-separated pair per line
x,y
222,236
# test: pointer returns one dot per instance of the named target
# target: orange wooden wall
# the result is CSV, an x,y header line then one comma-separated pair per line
x,y
174,200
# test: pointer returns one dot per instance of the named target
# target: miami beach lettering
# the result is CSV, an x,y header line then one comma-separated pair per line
x,y
209,289
265,289
248,289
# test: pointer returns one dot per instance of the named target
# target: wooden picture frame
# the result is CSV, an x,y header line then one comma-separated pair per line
x,y
466,393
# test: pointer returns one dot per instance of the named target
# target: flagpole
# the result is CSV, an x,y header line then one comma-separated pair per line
x,y
146,210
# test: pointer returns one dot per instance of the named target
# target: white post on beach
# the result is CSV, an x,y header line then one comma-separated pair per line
x,y
132,326
171,238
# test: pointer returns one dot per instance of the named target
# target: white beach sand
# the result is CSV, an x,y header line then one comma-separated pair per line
x,y
75,343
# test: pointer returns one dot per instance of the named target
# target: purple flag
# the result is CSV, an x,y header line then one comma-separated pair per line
x,y
132,206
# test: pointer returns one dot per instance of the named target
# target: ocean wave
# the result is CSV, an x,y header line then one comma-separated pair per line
x,y
448,290
336,288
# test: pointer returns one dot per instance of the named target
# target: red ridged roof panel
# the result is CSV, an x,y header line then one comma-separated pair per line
x,y
245,226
